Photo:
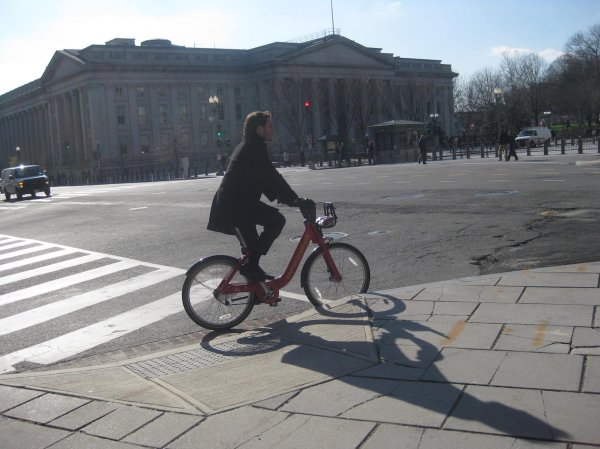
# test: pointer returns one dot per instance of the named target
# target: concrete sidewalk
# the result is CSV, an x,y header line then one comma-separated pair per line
x,y
507,360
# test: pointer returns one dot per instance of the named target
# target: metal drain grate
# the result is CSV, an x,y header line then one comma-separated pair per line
x,y
198,358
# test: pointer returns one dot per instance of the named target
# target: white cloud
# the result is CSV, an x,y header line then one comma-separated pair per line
x,y
388,9
502,49
548,54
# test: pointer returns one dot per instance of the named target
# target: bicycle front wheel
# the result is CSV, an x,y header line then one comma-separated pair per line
x,y
206,307
318,283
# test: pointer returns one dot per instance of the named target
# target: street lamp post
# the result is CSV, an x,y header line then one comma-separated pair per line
x,y
18,150
497,97
214,102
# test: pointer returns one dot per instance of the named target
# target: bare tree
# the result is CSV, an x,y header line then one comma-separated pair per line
x,y
288,96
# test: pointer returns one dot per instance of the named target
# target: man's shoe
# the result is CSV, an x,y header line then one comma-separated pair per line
x,y
255,273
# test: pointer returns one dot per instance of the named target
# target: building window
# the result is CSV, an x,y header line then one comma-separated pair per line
x,y
119,92
163,110
123,145
121,115
162,92
182,93
183,114
202,112
201,90
237,91
221,111
142,116
145,144
141,92
219,91
164,142
238,111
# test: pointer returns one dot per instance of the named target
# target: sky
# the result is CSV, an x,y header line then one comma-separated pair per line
x,y
468,34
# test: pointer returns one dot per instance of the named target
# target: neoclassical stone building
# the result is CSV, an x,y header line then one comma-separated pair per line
x,y
127,111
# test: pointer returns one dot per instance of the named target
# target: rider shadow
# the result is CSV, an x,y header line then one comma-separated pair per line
x,y
427,403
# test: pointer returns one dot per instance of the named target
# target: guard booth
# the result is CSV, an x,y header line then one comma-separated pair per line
x,y
327,154
396,141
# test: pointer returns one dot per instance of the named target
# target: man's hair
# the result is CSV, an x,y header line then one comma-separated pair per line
x,y
253,121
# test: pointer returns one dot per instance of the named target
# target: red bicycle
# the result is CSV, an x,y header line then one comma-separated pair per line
x,y
216,296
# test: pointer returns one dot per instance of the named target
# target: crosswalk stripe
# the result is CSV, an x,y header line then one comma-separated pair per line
x,y
14,245
25,251
57,309
66,281
35,259
50,268
73,343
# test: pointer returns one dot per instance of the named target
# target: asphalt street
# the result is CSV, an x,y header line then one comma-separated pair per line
x,y
414,223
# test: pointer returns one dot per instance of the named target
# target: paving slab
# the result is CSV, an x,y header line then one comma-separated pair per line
x,y
84,415
575,413
465,366
229,429
389,436
529,278
535,338
110,383
413,403
583,267
337,396
471,293
15,434
586,341
591,378
11,397
163,429
46,408
557,315
301,431
382,308
540,371
387,370
514,412
453,333
83,441
547,295
287,369
121,422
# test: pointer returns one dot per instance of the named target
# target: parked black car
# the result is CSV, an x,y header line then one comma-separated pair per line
x,y
24,180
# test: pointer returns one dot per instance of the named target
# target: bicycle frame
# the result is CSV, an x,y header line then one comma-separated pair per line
x,y
268,292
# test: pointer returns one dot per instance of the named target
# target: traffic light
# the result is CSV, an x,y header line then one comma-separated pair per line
x,y
219,132
306,105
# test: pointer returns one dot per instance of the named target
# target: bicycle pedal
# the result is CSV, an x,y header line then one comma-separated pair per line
x,y
275,303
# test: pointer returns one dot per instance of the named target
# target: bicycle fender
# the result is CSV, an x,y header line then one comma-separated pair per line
x,y
205,259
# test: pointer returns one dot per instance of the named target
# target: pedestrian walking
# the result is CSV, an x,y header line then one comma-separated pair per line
x,y
423,149
511,146
503,141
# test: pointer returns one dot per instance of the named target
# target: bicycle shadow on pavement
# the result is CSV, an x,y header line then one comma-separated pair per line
x,y
406,394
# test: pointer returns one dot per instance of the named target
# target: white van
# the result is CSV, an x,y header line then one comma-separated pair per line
x,y
536,135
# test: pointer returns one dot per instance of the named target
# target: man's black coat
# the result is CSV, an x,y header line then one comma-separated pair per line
x,y
249,175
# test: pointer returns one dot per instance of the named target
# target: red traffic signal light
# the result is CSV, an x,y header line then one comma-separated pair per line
x,y
306,104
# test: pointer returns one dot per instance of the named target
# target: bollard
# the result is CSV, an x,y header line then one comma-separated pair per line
x,y
468,153
528,148
563,142
546,148
454,152
482,151
598,145
434,154
580,145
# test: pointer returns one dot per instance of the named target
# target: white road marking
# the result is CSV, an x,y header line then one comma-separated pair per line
x,y
69,305
66,281
35,259
73,343
26,251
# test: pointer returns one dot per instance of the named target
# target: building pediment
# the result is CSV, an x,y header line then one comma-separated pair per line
x,y
338,52
62,65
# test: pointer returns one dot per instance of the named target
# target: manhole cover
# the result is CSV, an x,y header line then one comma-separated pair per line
x,y
327,235
408,196
498,193
380,232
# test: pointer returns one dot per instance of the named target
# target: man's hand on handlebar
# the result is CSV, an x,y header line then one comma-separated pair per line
x,y
307,207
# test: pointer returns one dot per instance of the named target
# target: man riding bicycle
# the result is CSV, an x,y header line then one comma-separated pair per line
x,y
236,207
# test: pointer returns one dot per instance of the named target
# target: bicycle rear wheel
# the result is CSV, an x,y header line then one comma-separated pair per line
x,y
203,306
319,285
